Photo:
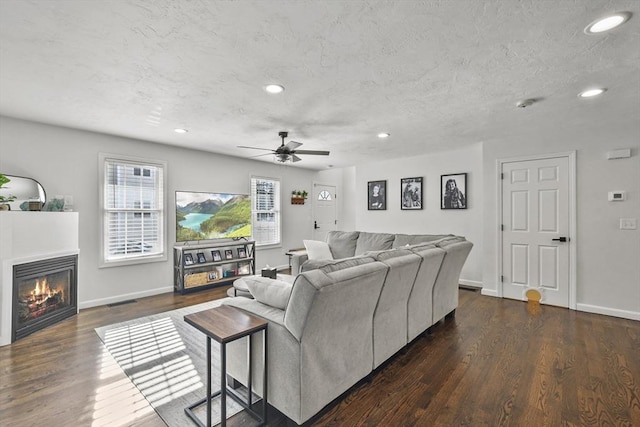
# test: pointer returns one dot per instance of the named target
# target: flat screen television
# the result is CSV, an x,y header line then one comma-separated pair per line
x,y
205,216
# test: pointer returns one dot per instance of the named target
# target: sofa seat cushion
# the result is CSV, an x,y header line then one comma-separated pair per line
x,y
374,242
342,243
317,249
272,292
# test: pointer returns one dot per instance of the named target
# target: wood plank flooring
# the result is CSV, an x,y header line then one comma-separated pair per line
x,y
497,363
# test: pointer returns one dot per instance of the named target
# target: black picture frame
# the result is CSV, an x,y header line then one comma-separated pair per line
x,y
242,253
215,255
377,195
201,257
228,254
411,194
453,191
188,259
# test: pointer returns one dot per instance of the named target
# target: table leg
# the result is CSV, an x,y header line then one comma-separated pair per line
x,y
223,385
264,378
249,399
208,381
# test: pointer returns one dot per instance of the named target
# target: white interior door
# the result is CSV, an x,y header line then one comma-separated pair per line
x,y
324,210
535,221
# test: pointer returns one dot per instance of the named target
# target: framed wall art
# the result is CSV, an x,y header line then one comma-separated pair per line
x,y
377,195
411,193
453,191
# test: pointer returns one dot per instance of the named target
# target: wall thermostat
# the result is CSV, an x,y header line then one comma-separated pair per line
x,y
617,196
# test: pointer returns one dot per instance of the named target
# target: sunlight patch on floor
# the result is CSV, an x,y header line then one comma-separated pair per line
x,y
153,356
135,345
117,402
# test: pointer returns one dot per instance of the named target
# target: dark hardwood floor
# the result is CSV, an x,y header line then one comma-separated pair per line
x,y
498,362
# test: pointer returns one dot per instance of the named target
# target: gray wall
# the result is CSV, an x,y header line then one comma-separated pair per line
x,y
608,259
431,219
65,162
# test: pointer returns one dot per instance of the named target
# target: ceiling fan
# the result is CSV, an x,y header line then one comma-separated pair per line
x,y
286,152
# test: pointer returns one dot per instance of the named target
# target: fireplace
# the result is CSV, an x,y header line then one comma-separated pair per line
x,y
44,293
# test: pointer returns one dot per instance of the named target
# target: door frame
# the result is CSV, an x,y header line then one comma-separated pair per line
x,y
313,201
571,156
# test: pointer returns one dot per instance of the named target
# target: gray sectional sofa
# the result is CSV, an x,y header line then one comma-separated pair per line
x,y
344,317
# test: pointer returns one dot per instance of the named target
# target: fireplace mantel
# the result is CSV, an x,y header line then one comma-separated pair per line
x,y
27,237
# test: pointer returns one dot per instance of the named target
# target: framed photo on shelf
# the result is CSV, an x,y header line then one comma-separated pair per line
x,y
411,193
228,254
213,275
377,195
215,255
242,253
453,191
201,257
188,259
244,268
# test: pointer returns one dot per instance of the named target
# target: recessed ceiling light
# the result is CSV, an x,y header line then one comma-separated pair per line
x,y
607,23
274,88
592,92
180,130
384,135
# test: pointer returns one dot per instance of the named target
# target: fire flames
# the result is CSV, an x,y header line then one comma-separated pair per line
x,y
43,291
41,299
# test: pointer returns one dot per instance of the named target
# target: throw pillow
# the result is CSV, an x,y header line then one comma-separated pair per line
x,y
317,249
269,291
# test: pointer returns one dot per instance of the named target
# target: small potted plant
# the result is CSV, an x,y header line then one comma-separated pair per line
x,y
5,200
296,198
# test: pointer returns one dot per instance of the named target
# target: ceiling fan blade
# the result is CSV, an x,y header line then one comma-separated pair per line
x,y
260,155
292,145
295,158
314,152
255,148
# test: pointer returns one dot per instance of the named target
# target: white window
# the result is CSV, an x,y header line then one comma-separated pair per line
x,y
265,210
133,210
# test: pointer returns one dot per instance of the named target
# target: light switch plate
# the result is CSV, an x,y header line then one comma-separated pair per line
x,y
628,224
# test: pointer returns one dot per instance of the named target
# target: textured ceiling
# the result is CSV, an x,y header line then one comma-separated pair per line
x,y
437,75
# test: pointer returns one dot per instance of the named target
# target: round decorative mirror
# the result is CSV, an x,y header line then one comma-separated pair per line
x,y
20,193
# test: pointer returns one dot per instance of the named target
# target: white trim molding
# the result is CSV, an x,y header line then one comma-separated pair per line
x,y
615,312
119,298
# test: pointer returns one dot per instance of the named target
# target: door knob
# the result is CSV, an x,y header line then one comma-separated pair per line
x,y
561,239
315,225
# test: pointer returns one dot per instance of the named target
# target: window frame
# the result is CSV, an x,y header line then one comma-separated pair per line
x,y
277,210
103,158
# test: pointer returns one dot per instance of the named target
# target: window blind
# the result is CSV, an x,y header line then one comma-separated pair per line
x,y
265,210
133,210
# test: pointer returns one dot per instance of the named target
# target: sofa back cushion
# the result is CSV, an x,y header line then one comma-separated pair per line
x,y
340,281
373,242
342,243
414,239
328,265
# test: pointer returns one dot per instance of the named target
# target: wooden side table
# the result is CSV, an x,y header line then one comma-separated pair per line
x,y
225,324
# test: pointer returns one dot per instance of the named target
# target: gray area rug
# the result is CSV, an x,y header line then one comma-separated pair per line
x,y
165,358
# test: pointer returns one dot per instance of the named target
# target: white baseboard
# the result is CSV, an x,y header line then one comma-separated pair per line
x,y
125,297
490,292
625,314
470,283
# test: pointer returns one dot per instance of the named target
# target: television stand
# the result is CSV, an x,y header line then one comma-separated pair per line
x,y
207,265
